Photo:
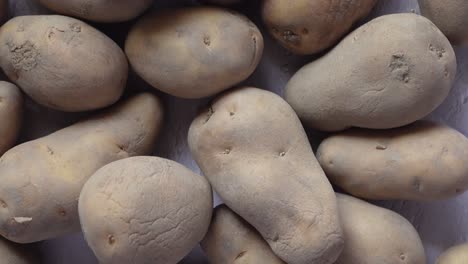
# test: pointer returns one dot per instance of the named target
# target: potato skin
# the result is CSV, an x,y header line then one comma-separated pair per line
x,y
254,151
377,235
145,210
62,63
388,85
42,179
231,238
12,253
194,52
11,114
402,163
310,26
455,255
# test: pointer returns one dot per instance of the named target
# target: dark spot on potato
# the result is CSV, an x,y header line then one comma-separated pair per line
x,y
210,112
330,162
24,56
291,37
276,238
400,68
417,185
240,255
50,151
381,147
230,113
62,212
111,239
3,204
402,256
438,52
207,41
282,154
446,72
305,31
227,151
75,27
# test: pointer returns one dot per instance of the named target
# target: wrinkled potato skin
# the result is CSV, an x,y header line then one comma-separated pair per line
x,y
310,26
62,63
388,85
42,179
11,115
99,10
454,255
231,238
450,16
145,210
194,52
12,253
254,151
422,161
377,235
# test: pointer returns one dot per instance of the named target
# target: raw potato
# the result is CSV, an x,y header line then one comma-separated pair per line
x,y
194,52
254,151
232,240
310,26
375,235
11,115
62,63
454,255
99,10
376,81
422,161
450,16
11,253
42,179
145,210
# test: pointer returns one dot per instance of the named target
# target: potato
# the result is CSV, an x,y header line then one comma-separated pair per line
x,y
42,179
11,115
376,235
376,82
17,254
422,161
254,151
99,10
454,255
310,26
62,63
194,52
450,16
144,210
231,239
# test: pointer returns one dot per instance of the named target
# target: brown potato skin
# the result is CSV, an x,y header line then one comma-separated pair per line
x,y
144,210
231,238
12,253
62,63
422,161
377,235
455,255
310,26
42,179
254,151
11,115
387,85
194,52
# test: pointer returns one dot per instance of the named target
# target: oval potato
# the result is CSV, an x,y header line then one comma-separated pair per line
x,y
12,253
455,255
11,115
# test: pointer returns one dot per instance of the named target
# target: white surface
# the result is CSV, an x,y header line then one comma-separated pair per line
x,y
440,224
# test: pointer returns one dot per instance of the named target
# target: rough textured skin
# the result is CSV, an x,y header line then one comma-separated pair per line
x,y
99,10
375,235
232,240
194,52
42,179
450,16
422,161
253,149
376,81
310,26
11,253
454,255
145,210
11,115
62,63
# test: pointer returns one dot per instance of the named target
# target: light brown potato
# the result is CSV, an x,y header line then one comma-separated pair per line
x,y
450,16
455,255
422,161
254,151
11,253
375,235
99,10
194,52
11,115
376,82
62,63
310,26
42,179
232,240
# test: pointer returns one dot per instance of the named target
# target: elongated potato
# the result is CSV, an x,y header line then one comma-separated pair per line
x,y
376,82
12,253
422,161
375,235
11,115
42,179
194,52
62,63
310,26
252,148
231,239
454,255
144,210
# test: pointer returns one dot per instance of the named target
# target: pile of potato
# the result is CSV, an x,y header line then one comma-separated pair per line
x,y
369,88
